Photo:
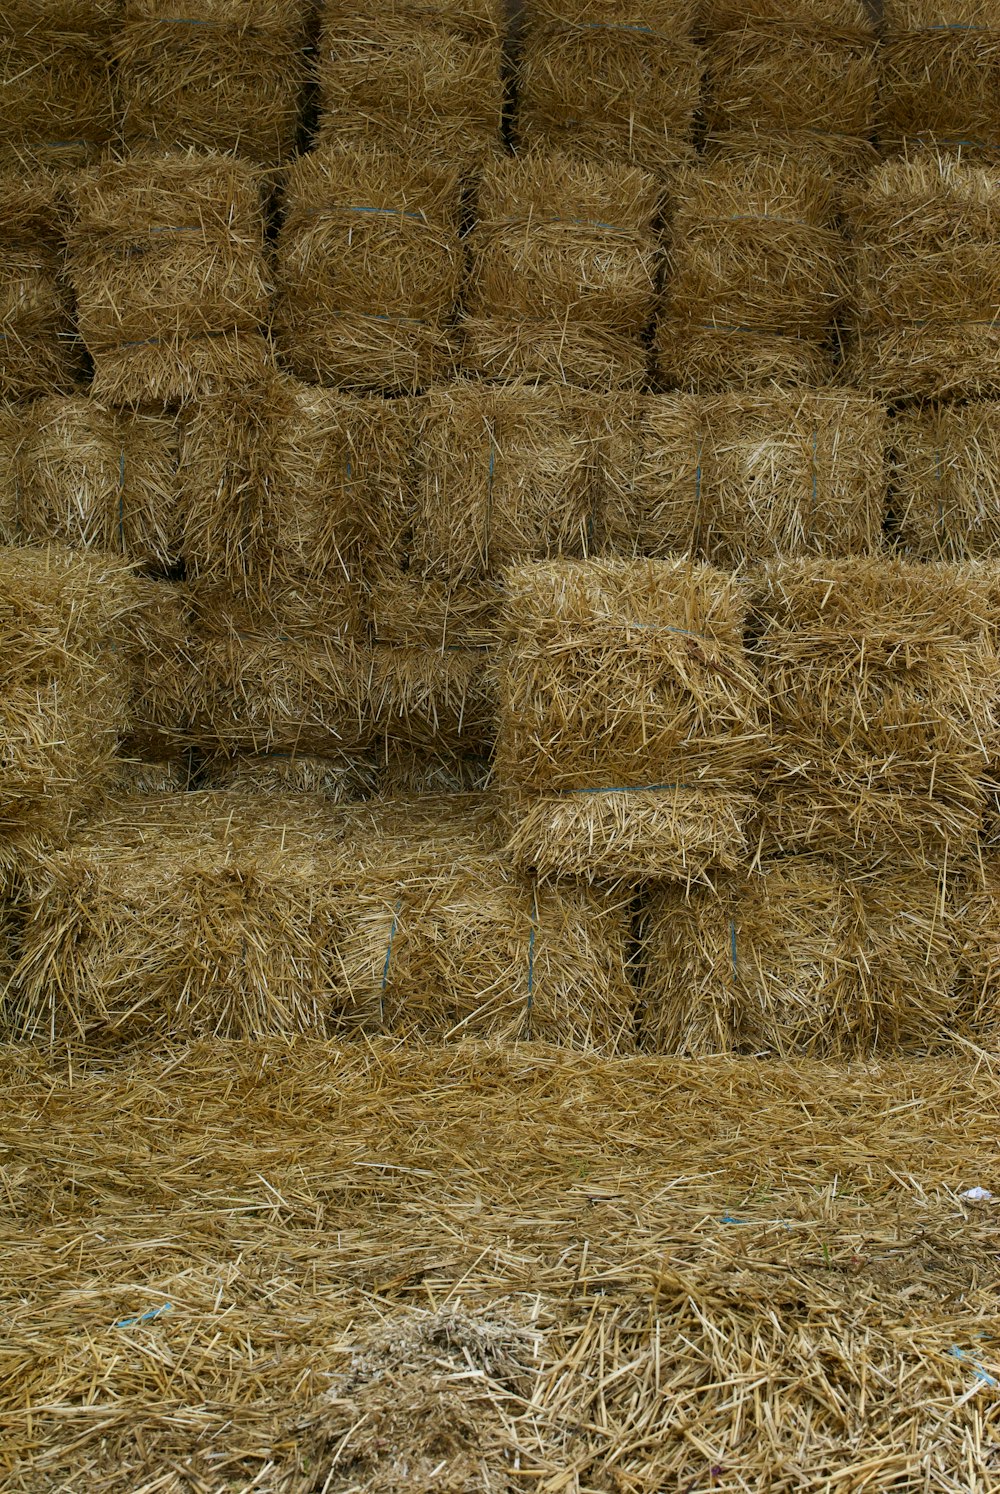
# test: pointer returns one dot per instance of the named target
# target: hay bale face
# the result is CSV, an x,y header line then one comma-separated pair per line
x,y
158,649
941,76
945,498
93,478
39,350
652,457
369,267
167,261
225,76
927,280
563,272
757,276
977,987
55,62
627,723
793,960
610,84
341,780
879,676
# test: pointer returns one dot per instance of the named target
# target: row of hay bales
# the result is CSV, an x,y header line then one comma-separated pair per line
x,y
634,82
159,272
787,780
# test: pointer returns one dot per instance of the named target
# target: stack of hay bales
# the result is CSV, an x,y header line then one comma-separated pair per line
x,y
442,940
56,105
927,280
945,500
880,680
628,731
610,82
369,268
39,350
757,275
563,272
425,79
167,261
794,959
941,75
226,75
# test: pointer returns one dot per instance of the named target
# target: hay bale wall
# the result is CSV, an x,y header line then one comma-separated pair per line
x,y
57,100
945,502
941,76
39,351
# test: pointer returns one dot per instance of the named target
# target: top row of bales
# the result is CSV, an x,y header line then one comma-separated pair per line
x,y
632,83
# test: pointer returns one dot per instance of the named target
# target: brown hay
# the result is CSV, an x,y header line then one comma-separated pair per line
x,y
945,499
757,275
841,160
627,724
341,780
794,960
54,60
136,776
977,988
225,76
11,431
369,268
406,771
414,84
94,478
563,271
610,82
927,280
441,941
167,260
879,681
160,656
39,351
940,75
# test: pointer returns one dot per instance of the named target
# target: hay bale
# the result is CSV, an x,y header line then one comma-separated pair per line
x,y
945,495
64,689
55,63
610,82
627,727
225,76
842,161
157,643
39,350
442,941
927,280
563,264
412,82
879,676
341,780
757,275
940,76
94,478
11,431
182,915
167,260
794,960
134,777
406,771
369,268
977,985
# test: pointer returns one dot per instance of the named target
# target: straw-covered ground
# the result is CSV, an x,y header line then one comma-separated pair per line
x,y
295,1267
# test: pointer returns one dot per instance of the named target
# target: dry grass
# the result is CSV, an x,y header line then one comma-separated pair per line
x,y
879,677
160,654
977,988
945,499
39,351
927,280
406,771
167,261
341,780
940,73
225,76
368,268
55,63
627,729
497,1269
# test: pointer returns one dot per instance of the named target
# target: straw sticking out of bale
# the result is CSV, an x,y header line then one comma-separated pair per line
x,y
341,780
627,718
792,960
225,76
54,58
945,501
610,83
39,351
166,257
158,649
927,280
369,266
940,73
407,771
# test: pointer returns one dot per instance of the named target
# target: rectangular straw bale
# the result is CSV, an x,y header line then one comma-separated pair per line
x,y
39,349
563,270
414,83
55,63
757,275
652,471
442,941
406,770
941,76
225,75
927,280
160,657
977,985
880,678
183,915
627,727
793,960
94,478
167,261
610,81
945,495
369,266
342,779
